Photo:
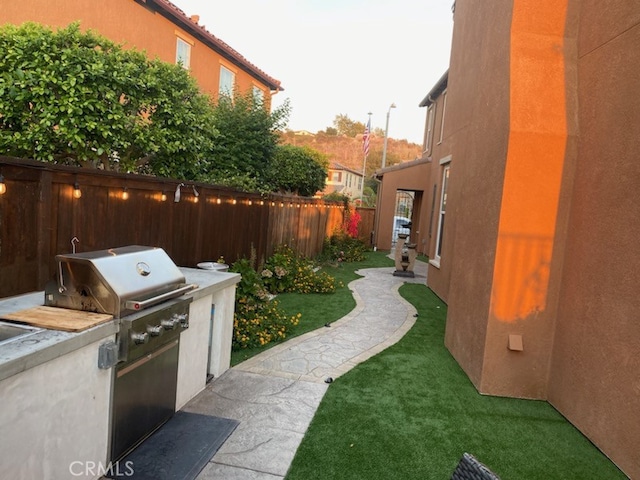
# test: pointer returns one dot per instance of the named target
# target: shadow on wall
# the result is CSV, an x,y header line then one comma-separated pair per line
x,y
521,276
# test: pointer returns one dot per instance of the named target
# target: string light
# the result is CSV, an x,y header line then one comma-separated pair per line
x,y
163,197
3,186
125,193
195,194
77,193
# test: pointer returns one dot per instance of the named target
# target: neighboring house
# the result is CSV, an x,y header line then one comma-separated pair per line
x,y
536,170
422,178
162,30
343,180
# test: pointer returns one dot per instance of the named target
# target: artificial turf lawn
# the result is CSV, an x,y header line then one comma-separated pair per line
x,y
410,412
318,308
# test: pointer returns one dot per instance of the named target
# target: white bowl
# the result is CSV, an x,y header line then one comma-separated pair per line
x,y
220,267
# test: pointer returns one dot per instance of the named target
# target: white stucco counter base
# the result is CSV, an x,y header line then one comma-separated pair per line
x,y
55,420
205,347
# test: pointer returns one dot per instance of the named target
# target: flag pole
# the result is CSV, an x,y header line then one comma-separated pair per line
x,y
365,149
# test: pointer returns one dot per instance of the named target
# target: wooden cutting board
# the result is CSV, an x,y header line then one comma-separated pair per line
x,y
55,318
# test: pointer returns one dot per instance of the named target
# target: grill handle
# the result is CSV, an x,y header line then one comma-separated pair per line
x,y
142,304
61,287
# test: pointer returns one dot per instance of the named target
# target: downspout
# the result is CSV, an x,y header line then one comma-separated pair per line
x,y
377,222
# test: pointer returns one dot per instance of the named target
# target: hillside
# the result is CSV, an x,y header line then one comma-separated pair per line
x,y
347,151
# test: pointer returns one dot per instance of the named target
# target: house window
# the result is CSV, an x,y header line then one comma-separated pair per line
x,y
183,53
431,115
444,109
443,208
258,95
227,81
336,177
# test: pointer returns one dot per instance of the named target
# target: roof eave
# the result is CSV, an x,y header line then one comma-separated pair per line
x,y
438,88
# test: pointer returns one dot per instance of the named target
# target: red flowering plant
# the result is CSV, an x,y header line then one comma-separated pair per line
x,y
351,221
343,245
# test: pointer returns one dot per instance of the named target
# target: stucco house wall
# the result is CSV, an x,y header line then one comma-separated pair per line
x,y
437,148
542,222
595,367
152,26
411,176
478,114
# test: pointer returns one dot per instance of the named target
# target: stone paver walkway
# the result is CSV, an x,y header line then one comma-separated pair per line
x,y
274,395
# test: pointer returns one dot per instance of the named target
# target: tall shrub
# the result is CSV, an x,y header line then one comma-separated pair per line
x,y
76,98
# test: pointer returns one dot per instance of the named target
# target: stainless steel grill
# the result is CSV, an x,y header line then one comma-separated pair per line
x,y
118,281
142,288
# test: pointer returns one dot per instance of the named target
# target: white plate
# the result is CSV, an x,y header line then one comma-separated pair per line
x,y
213,266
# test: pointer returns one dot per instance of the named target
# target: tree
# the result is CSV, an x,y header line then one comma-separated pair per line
x,y
247,141
345,126
77,98
368,197
299,170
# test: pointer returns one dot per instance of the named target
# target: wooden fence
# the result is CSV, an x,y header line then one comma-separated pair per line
x,y
40,217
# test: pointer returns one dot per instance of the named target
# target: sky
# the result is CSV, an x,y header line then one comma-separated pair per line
x,y
340,57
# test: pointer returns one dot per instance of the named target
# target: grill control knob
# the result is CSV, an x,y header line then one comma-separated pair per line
x,y
139,338
155,330
171,323
184,320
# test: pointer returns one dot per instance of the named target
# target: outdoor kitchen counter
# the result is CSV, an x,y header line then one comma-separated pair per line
x,y
58,400
45,345
205,347
41,347
208,281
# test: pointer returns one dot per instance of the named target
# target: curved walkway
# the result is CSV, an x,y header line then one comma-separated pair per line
x,y
275,394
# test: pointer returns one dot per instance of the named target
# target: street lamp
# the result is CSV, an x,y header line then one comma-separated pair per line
x,y
386,134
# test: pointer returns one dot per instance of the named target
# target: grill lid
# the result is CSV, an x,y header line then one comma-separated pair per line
x,y
116,281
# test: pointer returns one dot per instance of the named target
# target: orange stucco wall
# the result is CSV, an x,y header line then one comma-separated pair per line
x,y
505,222
530,202
135,26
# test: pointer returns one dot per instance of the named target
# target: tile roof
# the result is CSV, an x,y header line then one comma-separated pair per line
x,y
339,166
180,18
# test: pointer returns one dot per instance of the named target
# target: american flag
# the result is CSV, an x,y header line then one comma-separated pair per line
x,y
365,138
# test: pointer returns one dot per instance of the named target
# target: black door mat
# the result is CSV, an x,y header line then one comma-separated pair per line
x,y
178,450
